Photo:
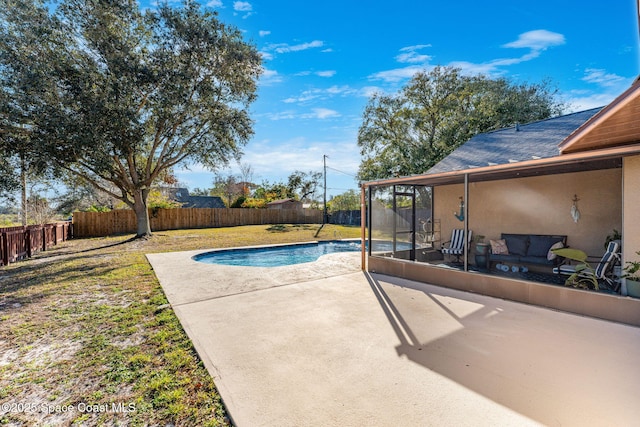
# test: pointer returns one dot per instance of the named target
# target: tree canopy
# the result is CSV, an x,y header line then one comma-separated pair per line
x,y
347,201
119,96
299,186
409,132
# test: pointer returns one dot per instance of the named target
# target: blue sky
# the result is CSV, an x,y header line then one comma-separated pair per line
x,y
324,59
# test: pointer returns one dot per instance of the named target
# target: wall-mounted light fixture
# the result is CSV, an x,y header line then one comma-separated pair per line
x,y
460,216
575,212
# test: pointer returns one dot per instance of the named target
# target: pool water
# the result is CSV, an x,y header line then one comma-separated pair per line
x,y
277,256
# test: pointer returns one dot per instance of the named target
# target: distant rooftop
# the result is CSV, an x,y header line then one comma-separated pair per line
x,y
530,141
188,201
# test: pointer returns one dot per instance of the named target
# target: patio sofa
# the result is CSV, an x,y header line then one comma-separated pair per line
x,y
526,249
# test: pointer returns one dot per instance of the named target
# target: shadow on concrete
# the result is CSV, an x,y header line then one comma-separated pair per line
x,y
551,367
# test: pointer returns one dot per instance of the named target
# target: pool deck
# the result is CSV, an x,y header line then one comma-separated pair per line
x,y
324,343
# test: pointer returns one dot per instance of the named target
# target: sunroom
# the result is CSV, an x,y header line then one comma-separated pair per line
x,y
586,190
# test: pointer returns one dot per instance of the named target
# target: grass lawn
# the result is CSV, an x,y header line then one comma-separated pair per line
x,y
87,338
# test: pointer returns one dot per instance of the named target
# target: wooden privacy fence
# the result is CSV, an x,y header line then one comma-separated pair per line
x,y
123,221
17,243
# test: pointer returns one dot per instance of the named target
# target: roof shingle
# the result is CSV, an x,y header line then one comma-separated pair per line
x,y
515,144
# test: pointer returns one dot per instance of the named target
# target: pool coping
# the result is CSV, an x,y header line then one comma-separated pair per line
x,y
207,281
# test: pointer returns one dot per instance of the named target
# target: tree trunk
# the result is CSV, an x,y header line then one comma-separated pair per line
x,y
142,214
23,183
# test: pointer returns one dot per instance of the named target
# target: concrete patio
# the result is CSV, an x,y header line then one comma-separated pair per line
x,y
326,344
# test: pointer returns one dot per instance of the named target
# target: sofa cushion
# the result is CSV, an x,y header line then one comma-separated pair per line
x,y
517,243
540,245
499,247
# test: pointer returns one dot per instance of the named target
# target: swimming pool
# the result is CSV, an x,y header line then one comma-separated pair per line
x,y
277,256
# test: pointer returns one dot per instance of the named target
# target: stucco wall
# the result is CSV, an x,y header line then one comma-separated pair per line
x,y
541,205
631,234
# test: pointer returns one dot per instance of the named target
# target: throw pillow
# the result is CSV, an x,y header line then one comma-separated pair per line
x,y
499,247
552,255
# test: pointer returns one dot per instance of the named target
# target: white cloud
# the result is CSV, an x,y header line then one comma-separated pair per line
x,y
321,113
285,48
369,91
282,115
263,33
470,68
581,100
316,113
414,47
317,93
270,77
602,78
537,40
608,86
214,3
242,6
267,56
340,90
397,74
328,73
410,55
304,97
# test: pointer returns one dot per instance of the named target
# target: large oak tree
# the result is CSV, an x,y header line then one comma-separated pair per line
x,y
119,96
409,132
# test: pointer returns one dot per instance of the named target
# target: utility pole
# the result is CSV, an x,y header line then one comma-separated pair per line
x,y
324,205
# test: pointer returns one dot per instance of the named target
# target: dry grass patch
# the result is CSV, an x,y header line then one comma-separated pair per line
x,y
85,327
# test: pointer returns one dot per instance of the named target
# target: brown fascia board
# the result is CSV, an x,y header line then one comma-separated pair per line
x,y
551,165
620,102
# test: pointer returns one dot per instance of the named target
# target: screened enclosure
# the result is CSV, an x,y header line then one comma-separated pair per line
x,y
401,222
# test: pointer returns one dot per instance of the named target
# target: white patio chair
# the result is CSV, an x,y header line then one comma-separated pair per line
x,y
456,244
602,270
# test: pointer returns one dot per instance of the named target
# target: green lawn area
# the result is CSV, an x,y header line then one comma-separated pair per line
x,y
85,326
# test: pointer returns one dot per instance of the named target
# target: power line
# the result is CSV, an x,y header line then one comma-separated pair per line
x,y
338,170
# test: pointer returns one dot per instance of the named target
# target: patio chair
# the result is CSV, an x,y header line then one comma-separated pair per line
x,y
602,271
456,244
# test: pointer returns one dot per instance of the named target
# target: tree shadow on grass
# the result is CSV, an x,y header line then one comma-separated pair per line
x,y
32,284
53,253
284,228
53,274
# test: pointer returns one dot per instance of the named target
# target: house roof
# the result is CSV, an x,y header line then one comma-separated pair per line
x,y
616,124
188,201
202,202
283,201
537,140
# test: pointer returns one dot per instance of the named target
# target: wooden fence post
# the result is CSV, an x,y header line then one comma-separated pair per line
x,y
27,238
5,249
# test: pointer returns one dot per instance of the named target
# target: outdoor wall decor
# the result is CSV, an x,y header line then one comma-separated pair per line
x,y
460,216
575,212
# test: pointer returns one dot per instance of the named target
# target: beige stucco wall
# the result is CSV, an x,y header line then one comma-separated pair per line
x,y
541,205
631,233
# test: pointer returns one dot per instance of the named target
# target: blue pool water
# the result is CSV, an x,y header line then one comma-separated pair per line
x,y
276,256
